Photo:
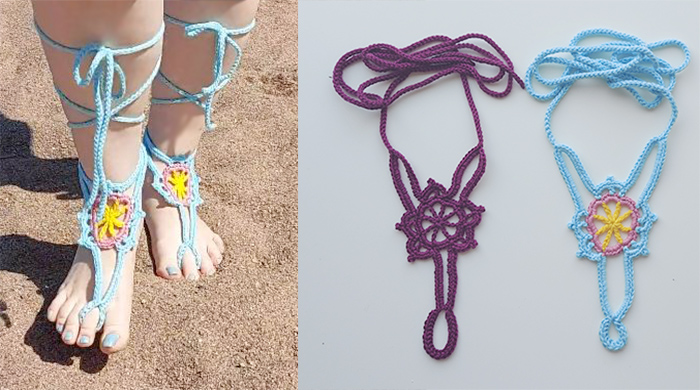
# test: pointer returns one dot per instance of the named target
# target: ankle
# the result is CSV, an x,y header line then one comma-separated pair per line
x,y
176,129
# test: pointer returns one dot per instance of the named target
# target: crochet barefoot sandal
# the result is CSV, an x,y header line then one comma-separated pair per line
x,y
110,217
444,219
612,223
178,183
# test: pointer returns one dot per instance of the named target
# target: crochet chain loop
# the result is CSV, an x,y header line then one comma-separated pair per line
x,y
439,223
442,58
625,62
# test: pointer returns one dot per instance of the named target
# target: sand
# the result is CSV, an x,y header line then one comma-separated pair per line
x,y
237,329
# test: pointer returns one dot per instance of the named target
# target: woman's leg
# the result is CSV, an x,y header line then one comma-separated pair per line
x,y
115,24
176,128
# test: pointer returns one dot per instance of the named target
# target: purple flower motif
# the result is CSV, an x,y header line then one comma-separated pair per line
x,y
439,222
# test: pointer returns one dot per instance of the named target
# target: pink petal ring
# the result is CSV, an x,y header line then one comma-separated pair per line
x,y
614,247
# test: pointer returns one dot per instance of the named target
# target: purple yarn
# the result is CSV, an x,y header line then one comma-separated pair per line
x,y
439,222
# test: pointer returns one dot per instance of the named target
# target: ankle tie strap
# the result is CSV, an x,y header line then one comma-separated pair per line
x,y
109,218
224,38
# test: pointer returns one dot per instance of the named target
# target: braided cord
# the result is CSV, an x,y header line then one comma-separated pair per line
x,y
96,191
624,62
439,56
224,37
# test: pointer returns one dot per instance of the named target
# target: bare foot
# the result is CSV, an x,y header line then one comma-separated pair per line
x,y
165,230
77,289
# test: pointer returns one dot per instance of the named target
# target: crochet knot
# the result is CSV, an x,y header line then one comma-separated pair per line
x,y
438,55
101,71
626,62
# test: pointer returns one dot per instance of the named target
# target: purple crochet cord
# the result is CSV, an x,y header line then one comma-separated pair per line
x,y
439,222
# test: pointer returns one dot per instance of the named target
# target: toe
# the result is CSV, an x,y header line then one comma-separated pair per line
x,y
165,257
70,331
86,334
219,243
207,268
214,253
56,304
63,314
189,268
114,339
169,270
115,333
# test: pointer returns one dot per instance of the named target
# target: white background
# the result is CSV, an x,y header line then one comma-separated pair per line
x,y
527,307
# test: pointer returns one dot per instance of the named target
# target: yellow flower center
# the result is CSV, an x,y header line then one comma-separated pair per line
x,y
111,222
179,181
612,224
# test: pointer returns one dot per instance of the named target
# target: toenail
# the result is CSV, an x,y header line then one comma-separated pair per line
x,y
110,340
192,277
68,336
59,328
171,271
84,340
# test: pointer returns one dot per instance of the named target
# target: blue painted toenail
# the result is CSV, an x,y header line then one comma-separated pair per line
x,y
68,336
110,340
59,328
84,340
171,271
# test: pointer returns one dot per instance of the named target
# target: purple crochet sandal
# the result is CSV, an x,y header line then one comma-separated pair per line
x,y
445,219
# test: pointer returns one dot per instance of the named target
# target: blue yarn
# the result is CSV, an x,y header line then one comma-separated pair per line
x,y
100,75
188,213
629,60
224,37
204,100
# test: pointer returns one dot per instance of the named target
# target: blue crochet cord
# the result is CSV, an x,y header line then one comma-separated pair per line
x,y
183,166
624,62
96,192
188,219
224,36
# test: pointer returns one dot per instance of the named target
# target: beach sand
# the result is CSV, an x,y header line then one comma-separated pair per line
x,y
237,329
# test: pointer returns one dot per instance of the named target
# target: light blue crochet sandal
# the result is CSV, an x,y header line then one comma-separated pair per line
x,y
178,182
109,218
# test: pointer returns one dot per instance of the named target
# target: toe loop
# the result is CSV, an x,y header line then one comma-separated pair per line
x,y
452,331
604,333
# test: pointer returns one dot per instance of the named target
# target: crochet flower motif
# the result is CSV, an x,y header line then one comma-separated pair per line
x,y
177,182
613,223
114,223
439,222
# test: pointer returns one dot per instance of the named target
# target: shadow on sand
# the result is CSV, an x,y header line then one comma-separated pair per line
x,y
44,263
20,167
